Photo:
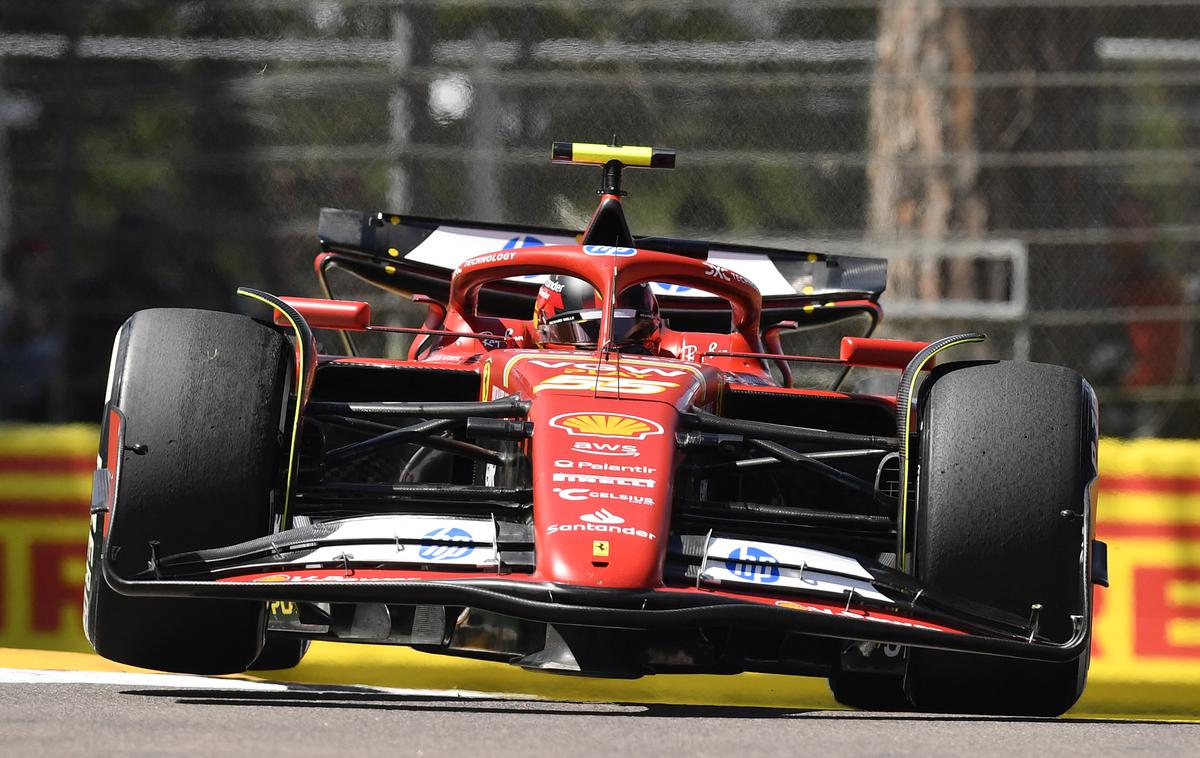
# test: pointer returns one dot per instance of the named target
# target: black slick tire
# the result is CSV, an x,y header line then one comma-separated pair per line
x,y
202,395
1006,448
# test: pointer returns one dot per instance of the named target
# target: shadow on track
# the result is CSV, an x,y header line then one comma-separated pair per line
x,y
320,697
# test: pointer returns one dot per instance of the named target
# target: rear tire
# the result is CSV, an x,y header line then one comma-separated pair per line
x,y
203,392
1005,448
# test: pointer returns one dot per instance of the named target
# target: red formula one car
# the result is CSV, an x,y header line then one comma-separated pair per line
x,y
593,461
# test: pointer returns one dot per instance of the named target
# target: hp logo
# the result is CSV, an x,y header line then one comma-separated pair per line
x,y
609,250
447,552
753,565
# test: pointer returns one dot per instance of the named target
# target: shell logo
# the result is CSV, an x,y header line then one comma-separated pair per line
x,y
610,425
273,578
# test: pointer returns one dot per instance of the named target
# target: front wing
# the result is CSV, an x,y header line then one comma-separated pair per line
x,y
484,564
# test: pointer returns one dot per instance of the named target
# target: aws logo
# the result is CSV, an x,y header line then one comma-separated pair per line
x,y
607,425
605,448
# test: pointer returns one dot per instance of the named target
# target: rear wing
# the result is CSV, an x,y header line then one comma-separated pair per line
x,y
414,254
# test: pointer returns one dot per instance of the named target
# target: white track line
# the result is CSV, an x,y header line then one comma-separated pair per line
x,y
127,678
185,681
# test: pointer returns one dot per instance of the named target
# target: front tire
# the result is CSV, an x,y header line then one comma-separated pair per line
x,y
1006,466
202,395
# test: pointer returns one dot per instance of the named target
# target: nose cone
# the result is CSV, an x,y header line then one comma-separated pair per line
x,y
602,474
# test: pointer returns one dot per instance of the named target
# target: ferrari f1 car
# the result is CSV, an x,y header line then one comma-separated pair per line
x,y
593,461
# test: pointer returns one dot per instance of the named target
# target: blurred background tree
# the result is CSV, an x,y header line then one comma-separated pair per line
x,y
1030,169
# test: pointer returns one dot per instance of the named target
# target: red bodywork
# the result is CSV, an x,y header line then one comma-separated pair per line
x,y
611,511
603,448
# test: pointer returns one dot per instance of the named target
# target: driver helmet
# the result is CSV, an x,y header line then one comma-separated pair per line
x,y
568,312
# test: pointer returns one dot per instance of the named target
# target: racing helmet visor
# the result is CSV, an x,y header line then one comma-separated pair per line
x,y
582,328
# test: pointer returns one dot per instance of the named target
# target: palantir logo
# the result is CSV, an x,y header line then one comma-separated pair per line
x,y
447,552
753,565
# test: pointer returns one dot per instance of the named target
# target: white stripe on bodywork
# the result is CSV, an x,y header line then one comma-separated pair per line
x,y
793,567
387,529
449,246
791,555
809,580
405,555
756,267
398,539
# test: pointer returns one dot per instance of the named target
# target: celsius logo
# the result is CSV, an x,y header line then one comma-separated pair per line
x,y
602,516
753,565
620,252
525,240
582,493
605,448
447,552
611,425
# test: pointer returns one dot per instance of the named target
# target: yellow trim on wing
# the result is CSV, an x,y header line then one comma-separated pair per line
x,y
287,493
904,451
485,380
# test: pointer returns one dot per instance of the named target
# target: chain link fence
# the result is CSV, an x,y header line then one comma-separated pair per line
x,y
1032,169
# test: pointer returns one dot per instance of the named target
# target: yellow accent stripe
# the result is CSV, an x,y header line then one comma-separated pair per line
x,y
1117,507
299,386
588,152
485,380
1149,457
904,452
40,439
46,487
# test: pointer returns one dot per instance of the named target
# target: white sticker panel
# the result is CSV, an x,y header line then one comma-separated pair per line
x,y
448,246
438,528
415,540
789,555
762,564
784,577
757,268
448,554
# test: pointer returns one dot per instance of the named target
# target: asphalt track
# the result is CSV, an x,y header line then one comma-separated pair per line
x,y
53,713
132,714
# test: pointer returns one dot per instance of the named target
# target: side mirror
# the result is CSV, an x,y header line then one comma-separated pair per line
x,y
348,315
880,353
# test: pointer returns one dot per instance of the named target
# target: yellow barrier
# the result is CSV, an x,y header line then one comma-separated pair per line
x,y
1146,647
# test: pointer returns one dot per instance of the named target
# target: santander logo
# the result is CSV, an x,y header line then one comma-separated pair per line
x,y
602,516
